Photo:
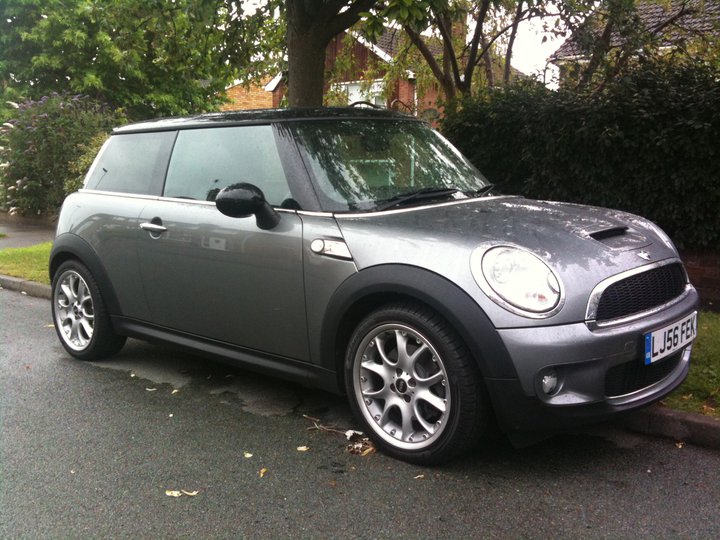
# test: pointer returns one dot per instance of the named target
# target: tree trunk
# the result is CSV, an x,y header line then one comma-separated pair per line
x,y
511,42
306,70
311,24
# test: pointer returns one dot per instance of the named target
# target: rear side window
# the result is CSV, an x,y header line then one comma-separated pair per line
x,y
204,161
132,163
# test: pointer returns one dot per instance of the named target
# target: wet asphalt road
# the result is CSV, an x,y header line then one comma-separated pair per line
x,y
89,450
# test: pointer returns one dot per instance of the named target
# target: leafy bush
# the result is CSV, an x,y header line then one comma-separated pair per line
x,y
40,142
646,144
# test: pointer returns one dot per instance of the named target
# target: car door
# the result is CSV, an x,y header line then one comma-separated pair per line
x,y
219,277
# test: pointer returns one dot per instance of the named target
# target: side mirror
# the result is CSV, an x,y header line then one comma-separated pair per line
x,y
244,200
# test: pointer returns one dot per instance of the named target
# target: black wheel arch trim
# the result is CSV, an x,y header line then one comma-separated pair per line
x,y
414,283
70,246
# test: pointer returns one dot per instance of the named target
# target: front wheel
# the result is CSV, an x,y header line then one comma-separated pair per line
x,y
413,384
81,320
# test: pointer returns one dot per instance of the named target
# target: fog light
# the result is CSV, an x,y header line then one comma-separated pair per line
x,y
549,382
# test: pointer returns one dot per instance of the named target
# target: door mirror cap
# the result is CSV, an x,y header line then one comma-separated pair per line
x,y
244,200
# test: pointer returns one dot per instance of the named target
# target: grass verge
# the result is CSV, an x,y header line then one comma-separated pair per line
x,y
699,393
27,263
701,390
2,235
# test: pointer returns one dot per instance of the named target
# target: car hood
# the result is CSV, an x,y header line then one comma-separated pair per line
x,y
582,244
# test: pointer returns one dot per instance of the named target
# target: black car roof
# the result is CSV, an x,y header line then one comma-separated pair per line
x,y
260,116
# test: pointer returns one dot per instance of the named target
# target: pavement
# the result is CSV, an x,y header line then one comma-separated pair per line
x,y
655,420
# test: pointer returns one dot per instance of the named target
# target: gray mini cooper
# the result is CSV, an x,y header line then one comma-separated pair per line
x,y
357,251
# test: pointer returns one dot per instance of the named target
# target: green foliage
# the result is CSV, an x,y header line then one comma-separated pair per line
x,y
701,390
646,144
79,167
150,58
40,141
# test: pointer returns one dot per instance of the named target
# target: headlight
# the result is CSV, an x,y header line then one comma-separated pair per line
x,y
518,280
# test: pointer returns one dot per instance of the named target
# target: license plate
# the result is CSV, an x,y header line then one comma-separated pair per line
x,y
667,340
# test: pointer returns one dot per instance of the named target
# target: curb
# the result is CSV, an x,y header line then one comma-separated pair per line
x,y
680,426
655,420
31,288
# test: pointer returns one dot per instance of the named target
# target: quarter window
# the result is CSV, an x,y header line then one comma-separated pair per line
x,y
205,161
132,163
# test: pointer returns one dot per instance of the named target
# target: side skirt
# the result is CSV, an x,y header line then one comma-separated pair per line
x,y
276,366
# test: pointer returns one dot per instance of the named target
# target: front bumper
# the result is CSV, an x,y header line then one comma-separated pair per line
x,y
600,371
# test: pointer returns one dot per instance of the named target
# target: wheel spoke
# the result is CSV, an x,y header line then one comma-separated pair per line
x,y
404,361
429,427
87,327
379,369
428,397
380,346
432,380
67,291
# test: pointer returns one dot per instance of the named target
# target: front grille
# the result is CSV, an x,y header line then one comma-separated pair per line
x,y
641,292
632,376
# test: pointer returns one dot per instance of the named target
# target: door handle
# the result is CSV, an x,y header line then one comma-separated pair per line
x,y
153,228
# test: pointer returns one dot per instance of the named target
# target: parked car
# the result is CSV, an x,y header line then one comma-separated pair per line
x,y
359,252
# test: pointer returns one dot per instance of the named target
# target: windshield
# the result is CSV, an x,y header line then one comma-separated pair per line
x,y
360,164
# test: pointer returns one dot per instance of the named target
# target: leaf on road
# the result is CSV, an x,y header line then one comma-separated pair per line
x,y
175,391
49,326
361,447
303,448
170,415
263,472
680,444
151,389
180,492
247,455
419,477
351,434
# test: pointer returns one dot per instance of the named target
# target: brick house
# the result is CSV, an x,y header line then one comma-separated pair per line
x,y
675,23
366,57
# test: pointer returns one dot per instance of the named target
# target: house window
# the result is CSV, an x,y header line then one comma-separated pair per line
x,y
357,91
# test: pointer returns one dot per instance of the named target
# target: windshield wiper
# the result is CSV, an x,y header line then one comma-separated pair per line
x,y
425,193
482,191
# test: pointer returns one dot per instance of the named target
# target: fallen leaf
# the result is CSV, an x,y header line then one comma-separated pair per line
x,y
680,444
132,375
367,451
151,389
49,326
179,493
23,292
170,415
175,391
303,448
419,477
247,455
351,433
262,472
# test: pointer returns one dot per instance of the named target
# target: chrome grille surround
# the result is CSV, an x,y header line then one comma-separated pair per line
x,y
591,313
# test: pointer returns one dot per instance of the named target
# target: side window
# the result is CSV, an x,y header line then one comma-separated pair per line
x,y
204,161
132,163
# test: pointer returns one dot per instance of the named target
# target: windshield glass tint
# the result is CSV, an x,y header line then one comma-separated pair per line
x,y
360,164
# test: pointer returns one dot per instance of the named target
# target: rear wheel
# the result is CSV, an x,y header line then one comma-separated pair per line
x,y
81,320
413,384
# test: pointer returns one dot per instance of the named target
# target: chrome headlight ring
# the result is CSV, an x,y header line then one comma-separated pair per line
x,y
517,280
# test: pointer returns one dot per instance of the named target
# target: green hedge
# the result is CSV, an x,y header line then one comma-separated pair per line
x,y
40,144
648,143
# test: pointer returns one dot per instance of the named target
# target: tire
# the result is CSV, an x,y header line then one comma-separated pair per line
x,y
413,384
81,319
